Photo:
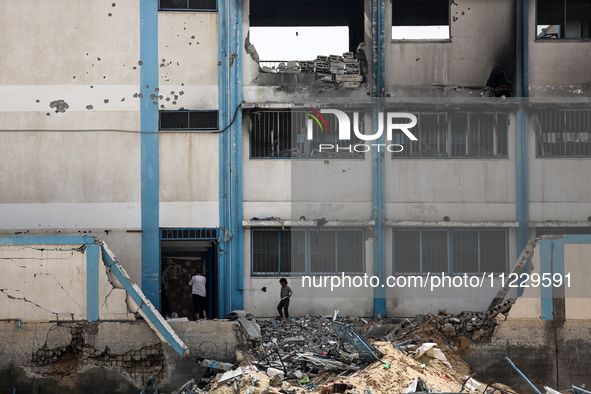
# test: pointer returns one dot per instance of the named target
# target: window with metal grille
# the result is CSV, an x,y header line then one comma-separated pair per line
x,y
188,5
563,133
420,19
304,251
455,135
457,251
188,120
284,134
563,19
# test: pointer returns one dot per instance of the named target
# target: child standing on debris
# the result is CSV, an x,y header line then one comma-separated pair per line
x,y
286,294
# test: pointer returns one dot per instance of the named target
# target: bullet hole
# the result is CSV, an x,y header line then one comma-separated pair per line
x,y
181,93
193,37
134,67
98,58
264,289
182,84
113,5
446,218
59,105
74,77
176,97
92,64
168,99
172,92
104,77
184,28
87,54
140,95
153,96
123,99
140,62
110,14
462,13
147,86
37,101
189,43
135,95
89,107
161,64
47,115
154,102
162,106
177,63
417,59
106,101
161,97
157,90
197,43
163,60
91,86
174,102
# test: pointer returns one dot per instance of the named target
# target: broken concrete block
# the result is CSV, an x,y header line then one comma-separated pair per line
x,y
377,331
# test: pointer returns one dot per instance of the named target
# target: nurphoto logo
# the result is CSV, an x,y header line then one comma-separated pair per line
x,y
392,120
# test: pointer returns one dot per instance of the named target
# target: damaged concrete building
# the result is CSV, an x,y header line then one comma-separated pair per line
x,y
152,127
156,127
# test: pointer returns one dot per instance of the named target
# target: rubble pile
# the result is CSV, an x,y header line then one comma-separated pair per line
x,y
309,333
344,71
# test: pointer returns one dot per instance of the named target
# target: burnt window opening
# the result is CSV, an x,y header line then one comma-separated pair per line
x,y
334,15
420,20
562,133
188,5
456,135
188,120
284,134
562,19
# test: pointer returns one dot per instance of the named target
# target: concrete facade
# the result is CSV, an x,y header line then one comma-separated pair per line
x,y
80,158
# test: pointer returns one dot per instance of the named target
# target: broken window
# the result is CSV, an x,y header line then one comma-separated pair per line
x,y
562,133
420,251
457,135
305,251
284,134
188,120
420,20
188,5
293,37
563,19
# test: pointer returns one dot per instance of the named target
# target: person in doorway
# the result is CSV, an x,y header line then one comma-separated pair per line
x,y
198,293
285,294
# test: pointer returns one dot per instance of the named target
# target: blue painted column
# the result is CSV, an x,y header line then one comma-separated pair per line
x,y
230,262
150,183
236,201
378,158
522,127
92,282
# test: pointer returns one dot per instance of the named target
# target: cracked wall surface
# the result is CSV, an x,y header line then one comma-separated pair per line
x,y
49,282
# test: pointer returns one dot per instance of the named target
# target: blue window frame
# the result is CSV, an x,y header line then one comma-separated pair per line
x,y
188,5
276,251
188,120
453,251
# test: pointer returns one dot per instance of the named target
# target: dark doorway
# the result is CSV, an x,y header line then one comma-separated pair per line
x,y
183,252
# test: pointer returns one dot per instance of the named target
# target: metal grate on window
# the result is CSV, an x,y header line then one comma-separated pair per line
x,y
283,134
283,251
563,133
169,234
188,120
188,5
456,135
419,251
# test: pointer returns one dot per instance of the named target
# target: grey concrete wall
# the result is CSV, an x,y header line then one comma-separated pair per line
x,y
107,357
482,40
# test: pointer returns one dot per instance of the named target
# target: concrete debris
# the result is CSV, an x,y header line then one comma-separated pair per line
x,y
344,71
